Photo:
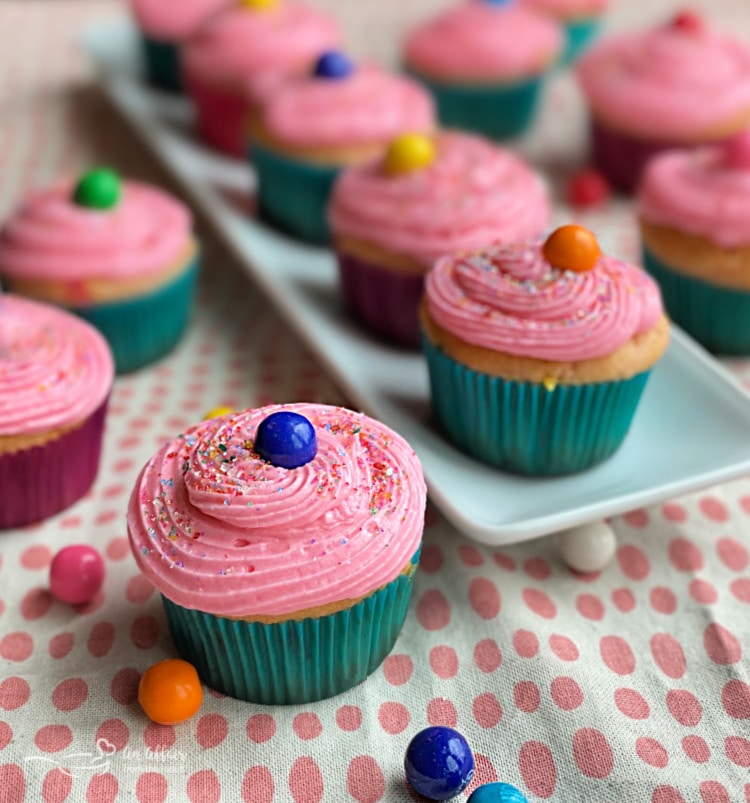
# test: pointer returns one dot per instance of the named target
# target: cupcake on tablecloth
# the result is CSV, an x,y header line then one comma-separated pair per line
x,y
339,115
56,374
538,351
164,26
426,197
236,60
120,254
679,84
484,62
694,211
284,541
580,18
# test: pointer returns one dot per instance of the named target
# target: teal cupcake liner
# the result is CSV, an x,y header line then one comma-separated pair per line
x,y
162,64
525,428
143,329
580,34
293,195
292,662
717,317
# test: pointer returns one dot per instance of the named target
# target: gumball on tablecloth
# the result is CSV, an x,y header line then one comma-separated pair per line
x,y
439,763
497,793
76,574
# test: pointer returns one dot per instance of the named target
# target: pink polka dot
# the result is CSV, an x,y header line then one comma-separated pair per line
x,y
740,589
138,589
623,599
487,710
637,519
35,604
540,603
144,632
484,598
702,591
102,788
738,750
393,717
258,786
398,669
70,694
124,688
504,561
159,737
117,549
537,766
721,646
433,610
696,749
14,692
442,712
685,555
713,792
563,647
537,568
307,726
590,607
735,698
713,509
526,696
431,559
617,655
469,555
444,661
566,693
349,718
632,704
204,787
651,752
306,781
525,643
90,607
592,753
364,780
487,655
674,512
151,787
633,562
668,655
732,554
260,728
36,557
115,732
684,707
16,646
60,645
6,736
53,738
13,783
211,731
663,600
56,786
101,638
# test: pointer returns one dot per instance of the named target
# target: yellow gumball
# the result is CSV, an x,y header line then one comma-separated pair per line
x,y
409,152
260,5
218,412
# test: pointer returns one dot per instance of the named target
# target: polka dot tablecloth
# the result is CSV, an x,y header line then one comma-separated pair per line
x,y
628,686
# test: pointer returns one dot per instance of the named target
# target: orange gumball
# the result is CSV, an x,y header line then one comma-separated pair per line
x,y
572,248
170,691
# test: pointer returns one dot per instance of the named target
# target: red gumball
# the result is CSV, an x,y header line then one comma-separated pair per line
x,y
688,21
588,188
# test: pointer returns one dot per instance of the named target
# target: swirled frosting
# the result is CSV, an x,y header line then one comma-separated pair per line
x,y
51,237
667,82
55,369
369,106
480,40
473,193
215,528
172,20
510,299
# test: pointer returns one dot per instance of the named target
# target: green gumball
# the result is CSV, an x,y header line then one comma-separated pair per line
x,y
98,189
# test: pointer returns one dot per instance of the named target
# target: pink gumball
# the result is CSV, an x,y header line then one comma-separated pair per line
x,y
76,574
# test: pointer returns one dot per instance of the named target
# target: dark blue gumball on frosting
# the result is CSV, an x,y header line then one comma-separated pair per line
x,y
286,439
333,65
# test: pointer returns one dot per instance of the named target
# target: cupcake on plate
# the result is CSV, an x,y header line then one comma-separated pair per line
x,y
284,542
580,18
538,351
232,63
679,84
56,374
339,115
426,197
694,212
484,62
120,254
163,27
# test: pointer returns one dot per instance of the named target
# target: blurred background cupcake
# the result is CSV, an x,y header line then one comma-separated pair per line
x,y
694,212
120,254
484,61
538,352
341,114
426,197
580,18
679,84
235,60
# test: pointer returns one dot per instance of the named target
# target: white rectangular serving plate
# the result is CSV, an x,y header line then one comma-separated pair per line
x,y
691,430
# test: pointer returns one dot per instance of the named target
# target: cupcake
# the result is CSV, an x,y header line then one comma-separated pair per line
x,y
484,62
163,26
284,542
580,18
339,115
694,211
680,84
118,253
428,196
56,374
236,60
538,351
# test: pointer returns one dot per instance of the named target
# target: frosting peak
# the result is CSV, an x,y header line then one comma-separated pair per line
x,y
171,20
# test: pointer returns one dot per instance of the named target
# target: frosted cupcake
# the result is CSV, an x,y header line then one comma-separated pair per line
x,y
340,115
56,374
484,62
426,197
120,254
232,63
580,18
694,211
680,84
538,351
284,541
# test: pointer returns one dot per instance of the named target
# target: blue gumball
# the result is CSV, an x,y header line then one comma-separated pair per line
x,y
497,793
286,439
333,64
439,764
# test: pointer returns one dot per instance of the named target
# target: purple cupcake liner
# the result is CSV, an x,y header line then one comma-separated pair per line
x,y
38,482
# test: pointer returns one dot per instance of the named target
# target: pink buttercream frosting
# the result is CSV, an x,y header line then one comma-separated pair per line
x,y
697,192
55,369
473,193
669,82
510,299
369,106
50,237
215,528
173,20
480,40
